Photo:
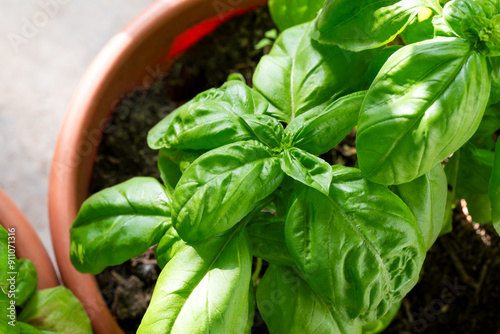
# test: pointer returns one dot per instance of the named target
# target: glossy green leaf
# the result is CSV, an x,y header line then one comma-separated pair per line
x,y
231,113
300,73
170,172
474,171
289,13
322,128
204,288
366,24
441,28
359,248
490,123
494,189
494,66
25,328
289,306
156,136
26,281
119,223
57,310
307,169
456,14
8,267
169,245
222,187
426,198
381,324
479,207
266,233
420,29
426,102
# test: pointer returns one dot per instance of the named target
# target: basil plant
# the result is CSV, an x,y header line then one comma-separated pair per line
x,y
24,310
243,178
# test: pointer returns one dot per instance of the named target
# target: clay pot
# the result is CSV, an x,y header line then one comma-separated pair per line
x,y
27,243
142,51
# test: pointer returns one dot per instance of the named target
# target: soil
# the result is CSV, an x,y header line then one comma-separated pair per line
x,y
458,291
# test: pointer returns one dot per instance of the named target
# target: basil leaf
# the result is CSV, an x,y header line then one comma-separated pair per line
x,y
322,128
381,324
474,171
266,233
490,123
8,265
26,281
307,169
420,29
494,65
441,28
426,198
457,13
426,102
359,248
170,171
494,189
223,186
25,328
300,73
288,305
366,24
156,136
169,245
119,223
211,124
289,13
206,289
479,207
56,309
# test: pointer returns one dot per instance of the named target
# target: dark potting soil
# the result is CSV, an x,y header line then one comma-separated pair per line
x,y
458,291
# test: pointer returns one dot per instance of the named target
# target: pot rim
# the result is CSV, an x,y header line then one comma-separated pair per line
x,y
27,243
79,136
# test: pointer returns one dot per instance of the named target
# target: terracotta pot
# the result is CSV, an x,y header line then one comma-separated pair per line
x,y
27,243
131,60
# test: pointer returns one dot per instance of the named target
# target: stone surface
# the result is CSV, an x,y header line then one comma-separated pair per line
x,y
45,48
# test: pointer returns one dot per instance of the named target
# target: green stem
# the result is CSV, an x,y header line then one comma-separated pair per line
x,y
256,273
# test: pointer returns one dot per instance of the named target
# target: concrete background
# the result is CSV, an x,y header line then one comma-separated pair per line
x,y
45,48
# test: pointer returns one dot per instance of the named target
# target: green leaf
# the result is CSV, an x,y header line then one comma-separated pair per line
x,y
381,324
479,207
490,123
359,248
307,169
266,233
169,245
26,281
300,73
156,136
220,116
322,128
474,171
494,66
25,328
289,306
458,13
57,310
494,189
204,288
420,29
170,172
119,223
289,13
366,24
426,198
222,187
426,102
